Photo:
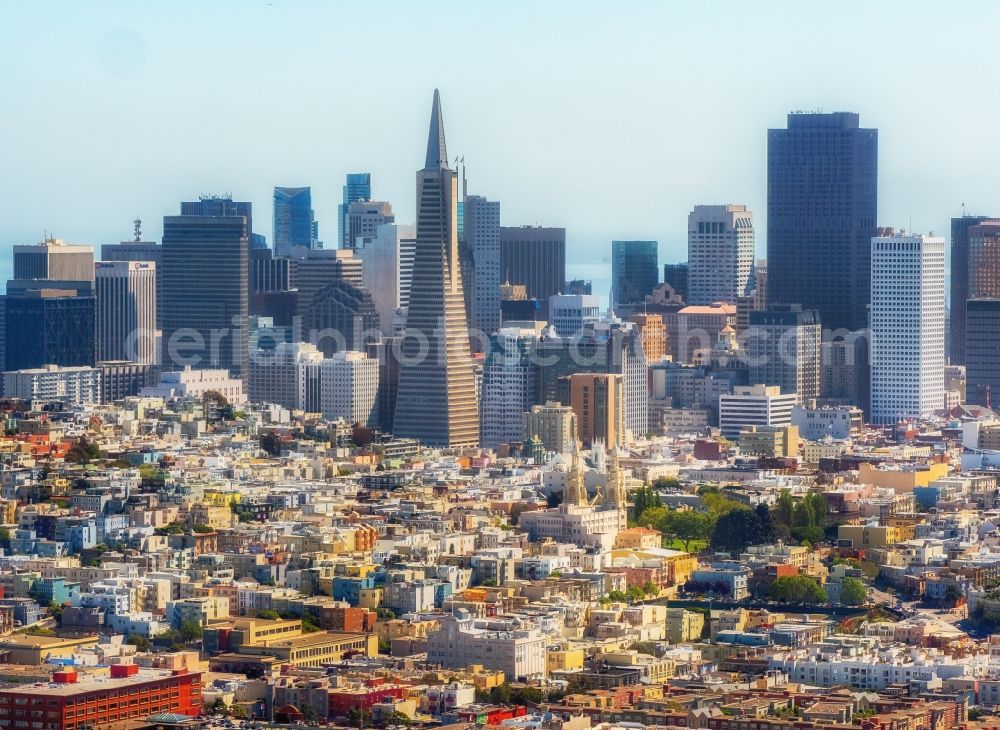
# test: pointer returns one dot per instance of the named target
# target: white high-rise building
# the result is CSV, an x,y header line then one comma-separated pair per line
x,y
508,386
387,269
126,311
720,253
349,387
288,376
754,405
907,327
52,383
568,313
482,233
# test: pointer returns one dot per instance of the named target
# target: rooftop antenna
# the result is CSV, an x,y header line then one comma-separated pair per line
x,y
963,210
137,230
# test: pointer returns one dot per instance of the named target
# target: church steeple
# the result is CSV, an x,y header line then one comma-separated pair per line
x,y
576,489
615,494
437,151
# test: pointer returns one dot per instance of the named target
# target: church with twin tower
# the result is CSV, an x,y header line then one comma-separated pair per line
x,y
436,400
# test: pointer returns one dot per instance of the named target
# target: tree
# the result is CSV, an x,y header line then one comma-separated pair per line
x,y
650,588
736,530
782,513
190,631
664,483
139,642
269,615
767,530
238,711
644,498
797,589
852,592
689,525
271,443
617,597
635,593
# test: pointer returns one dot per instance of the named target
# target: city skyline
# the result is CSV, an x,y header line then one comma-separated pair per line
x,y
673,153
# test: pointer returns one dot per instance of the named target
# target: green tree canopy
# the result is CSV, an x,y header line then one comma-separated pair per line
x,y
852,592
797,589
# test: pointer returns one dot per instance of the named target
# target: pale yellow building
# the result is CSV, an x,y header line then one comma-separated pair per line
x,y
684,625
874,536
561,658
638,538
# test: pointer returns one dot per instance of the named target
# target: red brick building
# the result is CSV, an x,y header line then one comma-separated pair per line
x,y
68,703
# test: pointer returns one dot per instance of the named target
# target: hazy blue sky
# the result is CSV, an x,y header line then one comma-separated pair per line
x,y
610,118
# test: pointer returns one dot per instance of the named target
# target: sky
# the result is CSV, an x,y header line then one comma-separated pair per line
x,y
611,119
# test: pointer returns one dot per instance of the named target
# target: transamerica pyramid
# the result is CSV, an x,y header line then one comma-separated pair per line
x,y
436,400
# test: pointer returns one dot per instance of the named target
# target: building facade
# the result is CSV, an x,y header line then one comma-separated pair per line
x,y
387,271
349,388
437,400
959,287
784,349
822,198
754,405
482,236
126,310
907,327
294,222
597,400
982,352
635,270
535,257
720,253
357,186
54,384
553,423
509,386
205,285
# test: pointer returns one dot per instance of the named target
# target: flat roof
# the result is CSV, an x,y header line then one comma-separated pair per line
x,y
53,689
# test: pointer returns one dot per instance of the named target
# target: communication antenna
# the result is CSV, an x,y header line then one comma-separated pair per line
x,y
137,230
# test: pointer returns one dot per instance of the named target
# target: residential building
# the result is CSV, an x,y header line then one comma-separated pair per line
x,y
126,311
819,232
907,327
754,405
772,442
436,401
54,384
494,644
635,270
783,349
720,254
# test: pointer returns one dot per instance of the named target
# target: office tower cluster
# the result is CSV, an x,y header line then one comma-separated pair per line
x,y
434,330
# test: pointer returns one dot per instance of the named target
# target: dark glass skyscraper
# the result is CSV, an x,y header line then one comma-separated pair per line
x,y
535,257
205,285
822,201
49,327
294,223
358,186
960,283
635,270
982,351
436,401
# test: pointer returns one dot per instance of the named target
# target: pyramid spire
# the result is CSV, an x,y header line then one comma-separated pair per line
x,y
437,151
